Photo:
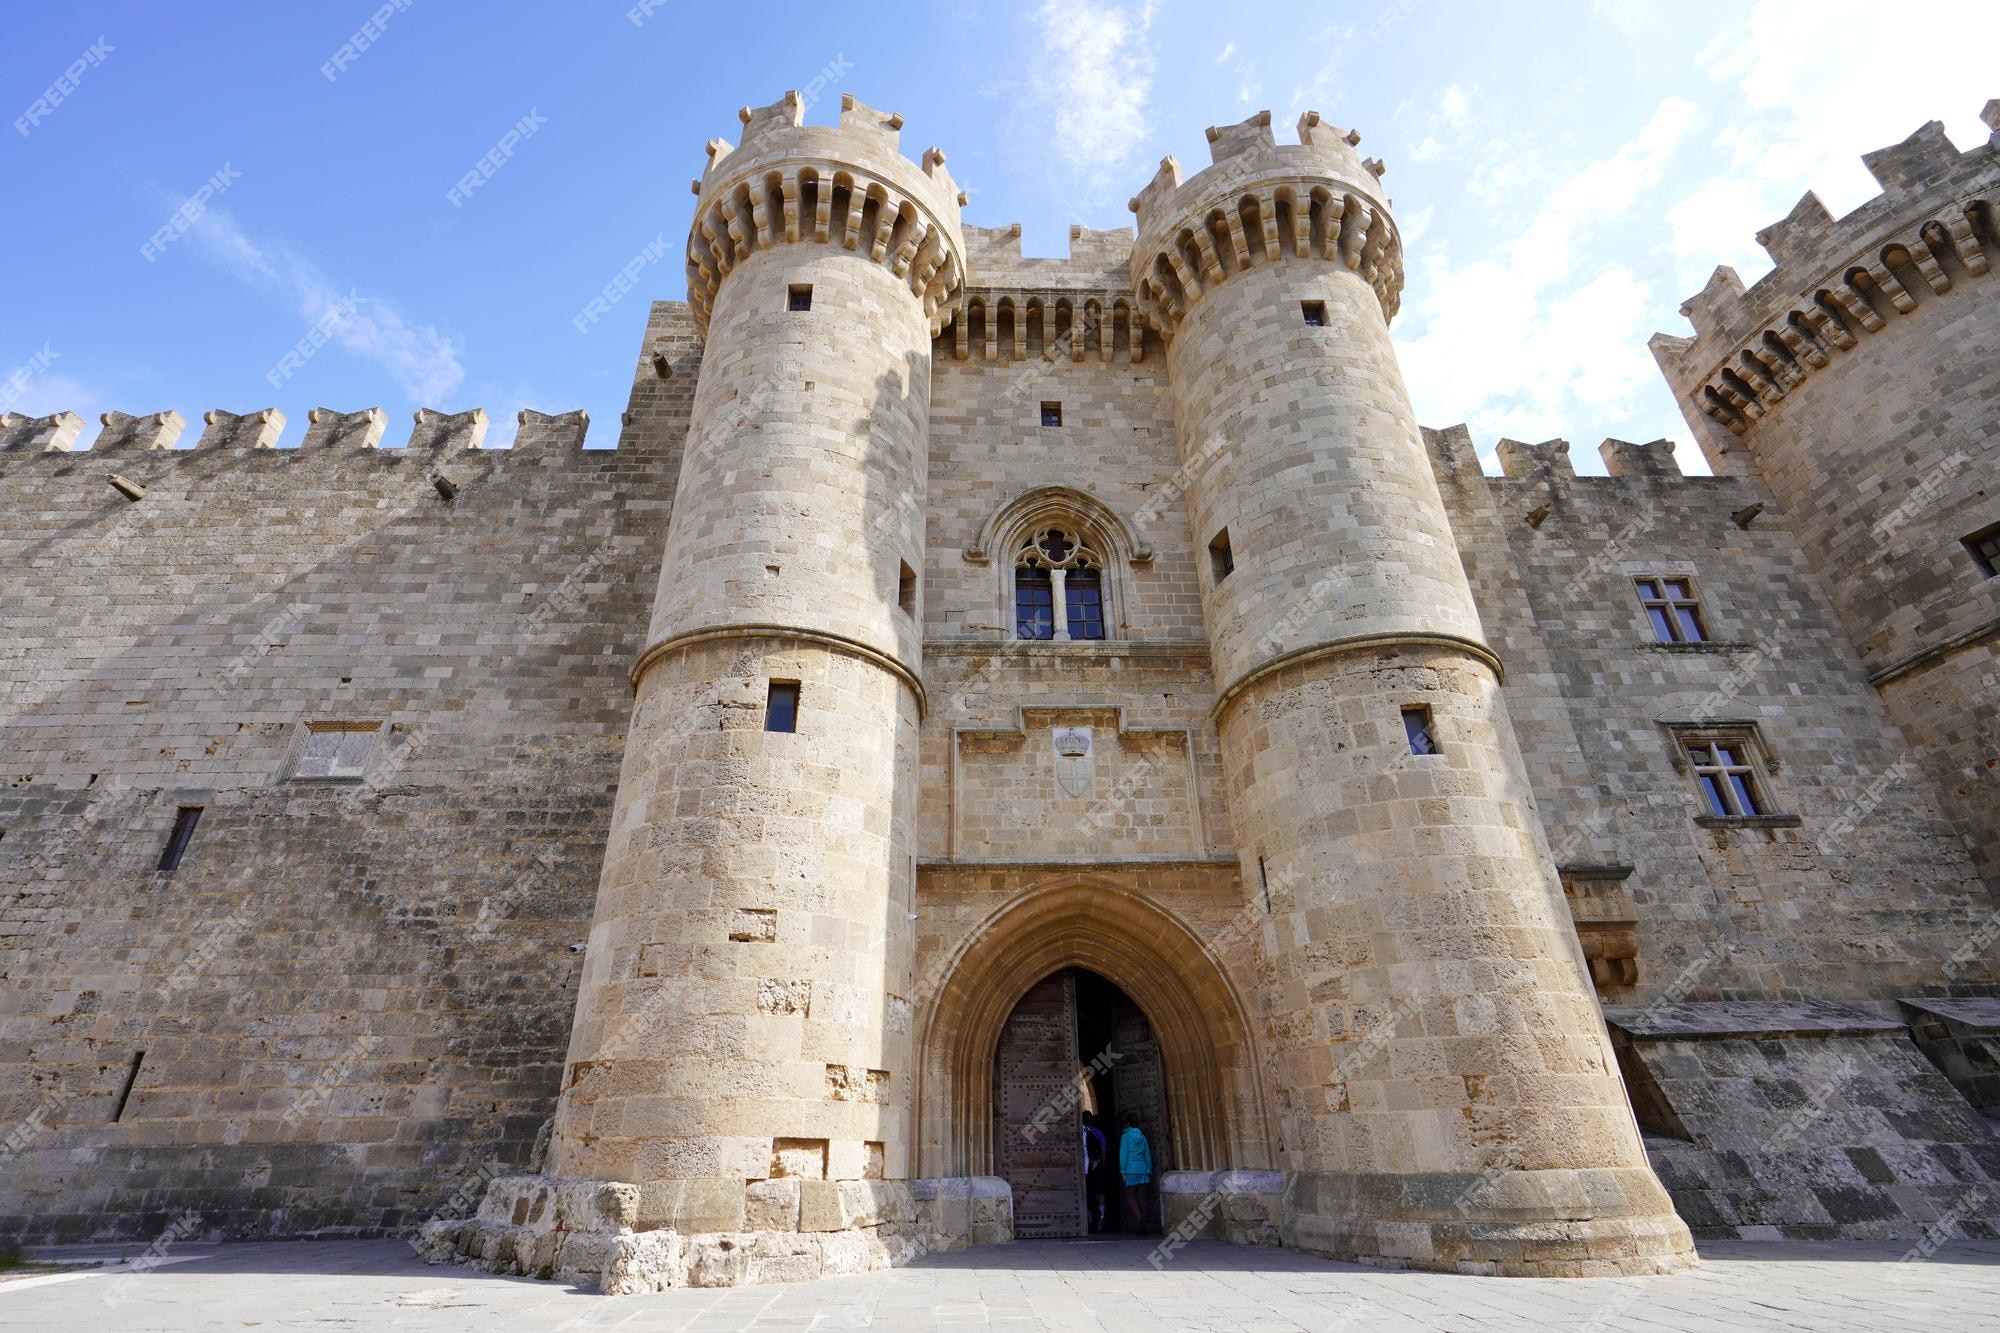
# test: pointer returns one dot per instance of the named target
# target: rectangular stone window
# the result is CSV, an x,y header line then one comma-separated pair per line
x,y
906,589
781,706
336,751
1727,776
177,842
1418,729
1220,562
1673,610
799,296
1052,414
1984,547
1315,313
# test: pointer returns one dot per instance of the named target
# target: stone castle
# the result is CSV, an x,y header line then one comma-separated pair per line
x,y
983,692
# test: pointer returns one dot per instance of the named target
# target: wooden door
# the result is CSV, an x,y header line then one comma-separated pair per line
x,y
1038,1133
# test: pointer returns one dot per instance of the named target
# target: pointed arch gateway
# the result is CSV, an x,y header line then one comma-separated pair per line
x,y
1209,1062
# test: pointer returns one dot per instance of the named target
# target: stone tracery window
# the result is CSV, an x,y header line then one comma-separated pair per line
x,y
1058,587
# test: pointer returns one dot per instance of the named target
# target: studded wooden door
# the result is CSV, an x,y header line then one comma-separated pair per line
x,y
1038,1135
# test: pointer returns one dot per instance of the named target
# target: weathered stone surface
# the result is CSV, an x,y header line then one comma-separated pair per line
x,y
361,1001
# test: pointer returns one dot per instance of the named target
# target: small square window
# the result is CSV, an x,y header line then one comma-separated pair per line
x,y
799,297
177,842
1052,414
1315,313
1984,547
1220,562
336,751
1417,728
781,706
1672,609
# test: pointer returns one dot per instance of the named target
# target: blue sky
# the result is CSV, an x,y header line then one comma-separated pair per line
x,y
1564,176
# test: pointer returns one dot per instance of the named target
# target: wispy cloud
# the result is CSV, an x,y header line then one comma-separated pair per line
x,y
1811,110
422,360
1537,335
1091,89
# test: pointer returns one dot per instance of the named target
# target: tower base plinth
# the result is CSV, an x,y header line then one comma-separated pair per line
x,y
1604,1222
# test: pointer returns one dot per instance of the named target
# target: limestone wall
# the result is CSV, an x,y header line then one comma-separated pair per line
x,y
352,997
1860,887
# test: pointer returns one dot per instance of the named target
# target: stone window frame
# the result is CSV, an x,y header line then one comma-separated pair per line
x,y
1063,552
1088,520
1759,760
1655,592
304,730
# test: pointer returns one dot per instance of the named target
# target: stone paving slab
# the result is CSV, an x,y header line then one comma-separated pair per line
x,y
1106,1286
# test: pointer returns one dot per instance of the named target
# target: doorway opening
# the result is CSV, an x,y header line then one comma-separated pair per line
x,y
1076,1062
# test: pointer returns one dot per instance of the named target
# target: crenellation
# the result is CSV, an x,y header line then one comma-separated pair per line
x,y
448,431
541,430
55,433
1655,459
1519,460
328,429
122,430
253,430
1924,160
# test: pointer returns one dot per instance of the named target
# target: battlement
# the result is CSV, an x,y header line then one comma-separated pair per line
x,y
158,433
848,185
1936,223
1098,260
1257,202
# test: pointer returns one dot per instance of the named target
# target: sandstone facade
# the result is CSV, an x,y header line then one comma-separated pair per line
x,y
514,918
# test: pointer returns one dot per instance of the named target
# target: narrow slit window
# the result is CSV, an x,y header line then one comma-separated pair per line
x,y
781,706
1315,313
906,590
1052,414
799,296
177,842
1984,547
1417,728
1673,610
1220,562
125,1089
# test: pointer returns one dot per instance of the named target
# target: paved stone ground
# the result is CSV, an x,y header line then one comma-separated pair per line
x,y
1104,1285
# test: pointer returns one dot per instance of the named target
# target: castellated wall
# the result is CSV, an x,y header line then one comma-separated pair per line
x,y
352,998
1858,887
1860,379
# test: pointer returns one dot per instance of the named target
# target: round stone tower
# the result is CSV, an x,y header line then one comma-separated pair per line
x,y
741,1049
1860,379
1447,1095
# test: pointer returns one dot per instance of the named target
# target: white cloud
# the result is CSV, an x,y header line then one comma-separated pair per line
x,y
1329,50
1090,88
1819,89
422,360
1536,337
1228,50
1453,107
1632,17
1426,150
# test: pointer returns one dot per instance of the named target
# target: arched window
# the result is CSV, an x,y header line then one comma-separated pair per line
x,y
1058,587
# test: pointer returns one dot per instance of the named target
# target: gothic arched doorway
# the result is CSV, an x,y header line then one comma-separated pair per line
x,y
1076,1062
1216,1117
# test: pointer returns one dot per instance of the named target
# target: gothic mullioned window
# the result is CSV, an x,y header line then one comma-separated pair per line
x,y
1058,588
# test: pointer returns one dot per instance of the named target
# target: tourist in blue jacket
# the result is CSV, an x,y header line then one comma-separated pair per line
x,y
1135,1164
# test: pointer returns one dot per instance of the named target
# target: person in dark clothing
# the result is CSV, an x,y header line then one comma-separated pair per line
x,y
1096,1173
